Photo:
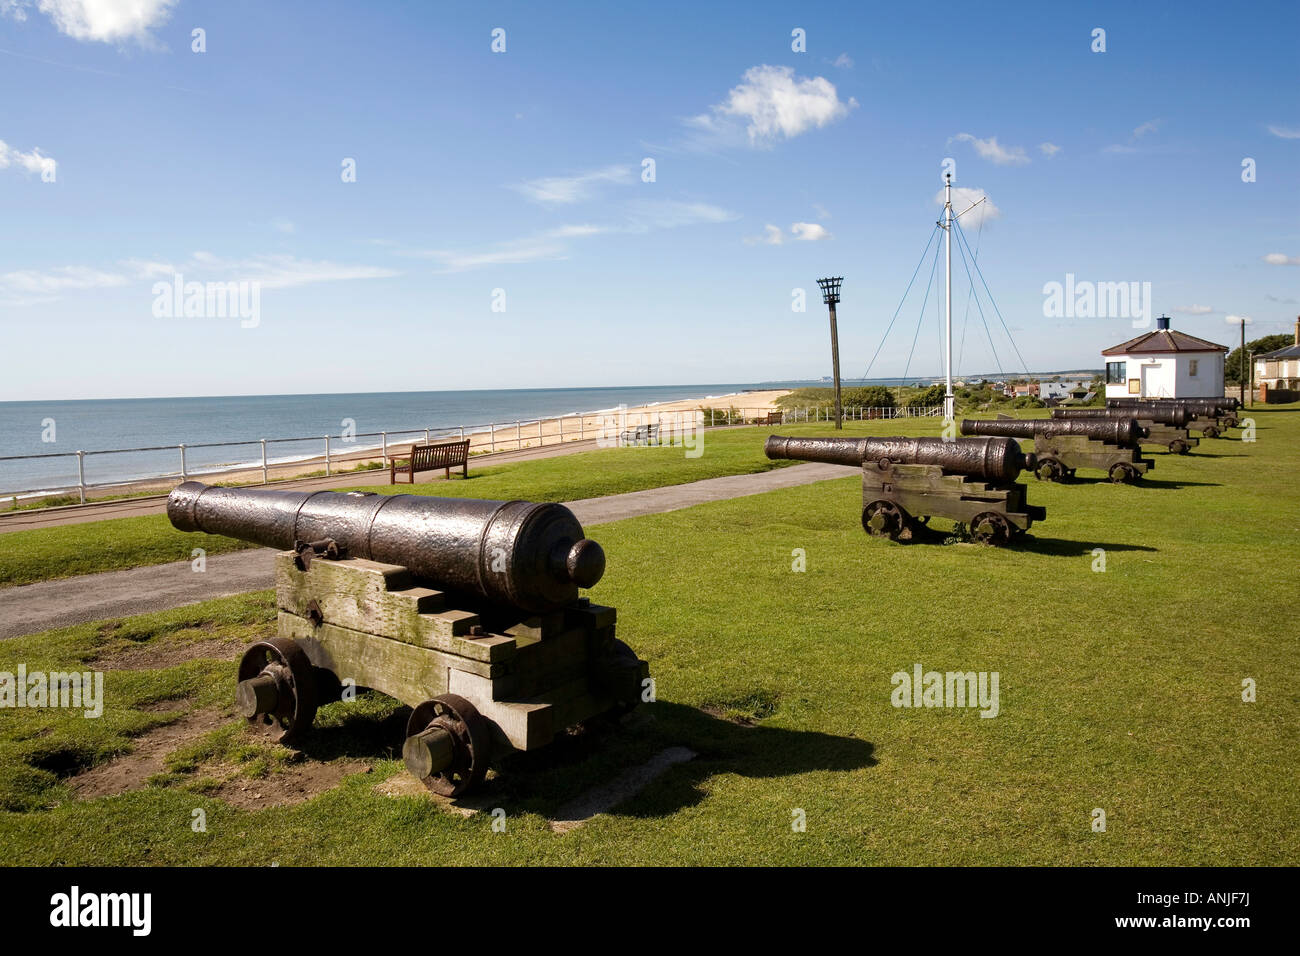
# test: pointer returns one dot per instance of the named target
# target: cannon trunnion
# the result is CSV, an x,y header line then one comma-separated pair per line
x,y
479,629
906,481
1062,446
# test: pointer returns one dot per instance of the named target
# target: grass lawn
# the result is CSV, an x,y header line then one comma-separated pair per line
x,y
68,550
1119,690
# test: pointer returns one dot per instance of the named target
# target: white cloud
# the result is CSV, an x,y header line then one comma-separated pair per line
x,y
809,231
969,215
1238,320
1150,126
992,150
27,287
670,213
775,104
1278,259
1284,132
1194,309
561,190
283,225
104,21
33,162
772,236
1048,149
843,61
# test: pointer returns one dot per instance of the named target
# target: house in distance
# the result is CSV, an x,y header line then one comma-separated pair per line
x,y
1164,363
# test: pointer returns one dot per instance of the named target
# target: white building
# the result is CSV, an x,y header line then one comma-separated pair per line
x,y
1059,390
1164,364
1280,368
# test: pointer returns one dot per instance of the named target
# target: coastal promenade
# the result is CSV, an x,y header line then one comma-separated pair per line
x,y
29,608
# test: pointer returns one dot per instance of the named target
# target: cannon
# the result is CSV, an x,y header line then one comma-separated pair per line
x,y
1165,425
1063,445
906,481
467,611
1221,412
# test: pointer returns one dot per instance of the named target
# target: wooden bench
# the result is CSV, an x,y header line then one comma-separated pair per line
x,y
775,418
444,455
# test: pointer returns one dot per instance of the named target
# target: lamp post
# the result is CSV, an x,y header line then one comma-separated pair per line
x,y
831,295
1250,363
1241,320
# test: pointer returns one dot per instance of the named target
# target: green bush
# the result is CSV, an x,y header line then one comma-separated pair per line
x,y
867,396
930,396
1028,401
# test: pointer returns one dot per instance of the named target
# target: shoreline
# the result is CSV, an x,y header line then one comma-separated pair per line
x,y
524,434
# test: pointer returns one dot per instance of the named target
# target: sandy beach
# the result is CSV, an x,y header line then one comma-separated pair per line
x,y
603,426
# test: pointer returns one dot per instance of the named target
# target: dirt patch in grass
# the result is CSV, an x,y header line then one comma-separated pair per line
x,y
132,771
292,784
170,655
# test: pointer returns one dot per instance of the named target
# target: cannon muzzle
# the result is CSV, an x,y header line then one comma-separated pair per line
x,y
1125,432
991,459
530,556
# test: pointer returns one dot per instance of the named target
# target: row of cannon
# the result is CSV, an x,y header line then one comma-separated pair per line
x,y
469,612
972,479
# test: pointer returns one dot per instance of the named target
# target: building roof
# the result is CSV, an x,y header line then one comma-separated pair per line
x,y
1163,340
1286,352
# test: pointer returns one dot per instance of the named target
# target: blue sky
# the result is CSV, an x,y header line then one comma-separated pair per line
x,y
522,171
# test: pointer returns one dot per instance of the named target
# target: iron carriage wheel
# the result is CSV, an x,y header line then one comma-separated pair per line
x,y
471,742
990,527
884,519
277,688
1121,472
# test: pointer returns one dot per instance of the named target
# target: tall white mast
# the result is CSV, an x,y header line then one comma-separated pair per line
x,y
949,412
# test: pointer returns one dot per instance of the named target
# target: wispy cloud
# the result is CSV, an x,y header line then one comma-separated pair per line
x,y
772,104
30,286
964,206
1133,146
561,190
102,21
639,216
1284,132
992,150
1193,309
1048,149
771,236
33,162
843,61
1280,259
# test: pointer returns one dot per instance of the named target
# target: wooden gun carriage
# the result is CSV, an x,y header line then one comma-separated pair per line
x,y
907,481
467,611
1062,446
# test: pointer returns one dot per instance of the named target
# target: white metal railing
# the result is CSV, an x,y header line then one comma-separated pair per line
x,y
486,438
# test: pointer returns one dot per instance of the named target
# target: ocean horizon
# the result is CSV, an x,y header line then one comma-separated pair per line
x,y
158,425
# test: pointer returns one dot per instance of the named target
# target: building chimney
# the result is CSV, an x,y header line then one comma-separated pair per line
x,y
1297,330
1163,322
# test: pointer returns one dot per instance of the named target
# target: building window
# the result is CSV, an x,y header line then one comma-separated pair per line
x,y
1115,373
1191,367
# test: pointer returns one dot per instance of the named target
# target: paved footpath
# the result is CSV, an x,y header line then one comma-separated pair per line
x,y
29,608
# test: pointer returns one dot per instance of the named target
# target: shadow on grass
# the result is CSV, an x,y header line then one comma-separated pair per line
x,y
1071,549
545,780
1145,482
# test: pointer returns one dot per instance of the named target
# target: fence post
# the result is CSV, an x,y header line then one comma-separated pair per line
x,y
264,478
582,427
493,427
184,476
426,436
81,475
327,455
518,444
539,432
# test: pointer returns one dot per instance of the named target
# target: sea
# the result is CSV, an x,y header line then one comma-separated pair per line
x,y
52,429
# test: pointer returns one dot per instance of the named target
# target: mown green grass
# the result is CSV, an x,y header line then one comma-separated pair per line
x,y
68,550
1119,690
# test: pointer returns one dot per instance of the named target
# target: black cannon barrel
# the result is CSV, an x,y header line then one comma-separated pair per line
x,y
1125,432
993,459
531,556
1208,407
1173,415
